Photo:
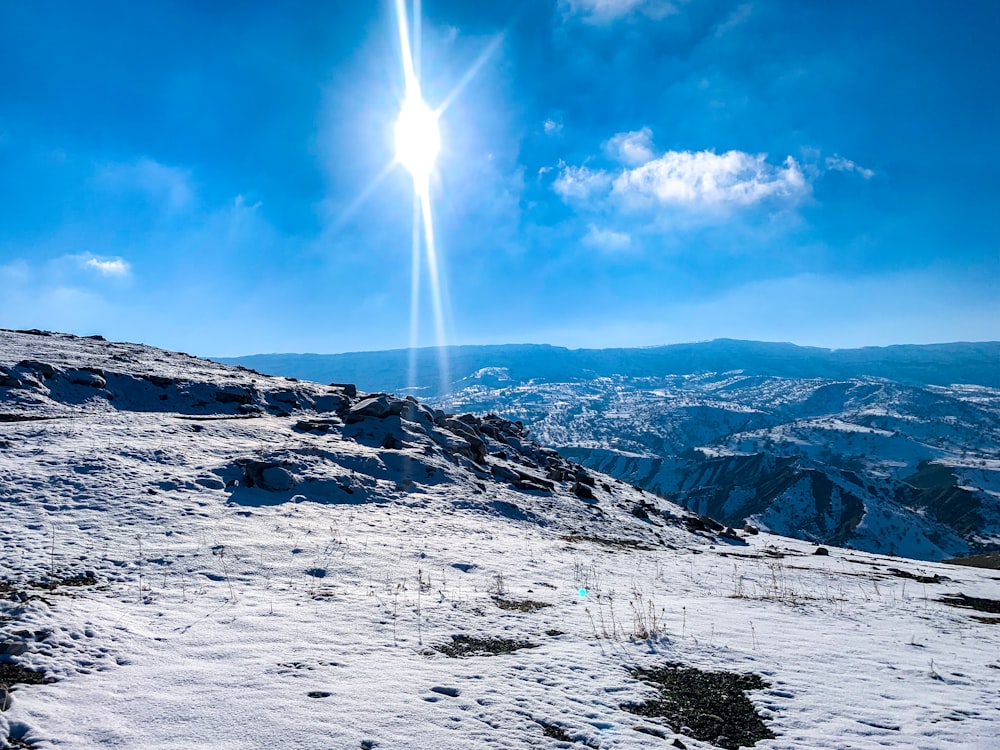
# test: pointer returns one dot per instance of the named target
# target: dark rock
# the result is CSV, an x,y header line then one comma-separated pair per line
x,y
821,551
391,442
751,529
703,523
43,369
335,402
234,395
376,407
290,398
159,381
476,443
33,332
640,512
350,390
266,475
86,377
315,425
13,648
583,491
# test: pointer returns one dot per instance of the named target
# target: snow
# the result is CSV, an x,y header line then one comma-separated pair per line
x,y
219,608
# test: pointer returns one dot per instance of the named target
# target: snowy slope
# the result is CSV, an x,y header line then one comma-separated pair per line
x,y
199,556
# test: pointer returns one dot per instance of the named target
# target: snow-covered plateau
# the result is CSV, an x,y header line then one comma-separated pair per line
x,y
197,555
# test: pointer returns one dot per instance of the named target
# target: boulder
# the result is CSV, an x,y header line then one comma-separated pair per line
x,y
266,475
334,402
374,407
349,389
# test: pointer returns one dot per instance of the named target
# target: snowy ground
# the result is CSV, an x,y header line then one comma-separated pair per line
x,y
219,615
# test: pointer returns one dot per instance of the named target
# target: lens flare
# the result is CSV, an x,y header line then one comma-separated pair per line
x,y
418,140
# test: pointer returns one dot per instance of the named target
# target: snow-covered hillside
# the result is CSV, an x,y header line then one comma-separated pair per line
x,y
195,555
865,462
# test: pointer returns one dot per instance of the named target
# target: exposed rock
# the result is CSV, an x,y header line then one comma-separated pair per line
x,y
334,402
86,377
41,368
159,381
391,442
266,475
376,407
316,425
350,390
234,395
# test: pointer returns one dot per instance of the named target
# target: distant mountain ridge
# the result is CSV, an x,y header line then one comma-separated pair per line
x,y
887,449
974,363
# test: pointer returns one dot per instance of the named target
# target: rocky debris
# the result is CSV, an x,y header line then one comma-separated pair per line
x,y
991,606
712,706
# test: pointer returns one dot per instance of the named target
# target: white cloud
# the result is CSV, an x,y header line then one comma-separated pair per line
x,y
581,183
606,11
552,127
108,267
705,178
632,148
738,17
838,163
688,179
170,186
607,240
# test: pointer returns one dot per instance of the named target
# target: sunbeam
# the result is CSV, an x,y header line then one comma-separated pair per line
x,y
418,142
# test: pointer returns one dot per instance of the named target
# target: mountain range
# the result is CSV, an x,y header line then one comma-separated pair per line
x,y
889,449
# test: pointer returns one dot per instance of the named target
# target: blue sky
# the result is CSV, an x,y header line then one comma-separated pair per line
x,y
616,173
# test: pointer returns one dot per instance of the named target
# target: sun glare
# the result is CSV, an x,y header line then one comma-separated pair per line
x,y
418,139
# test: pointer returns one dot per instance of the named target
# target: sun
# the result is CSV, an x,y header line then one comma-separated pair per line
x,y
418,140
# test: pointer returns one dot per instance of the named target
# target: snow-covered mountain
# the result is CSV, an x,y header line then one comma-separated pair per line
x,y
196,555
892,449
